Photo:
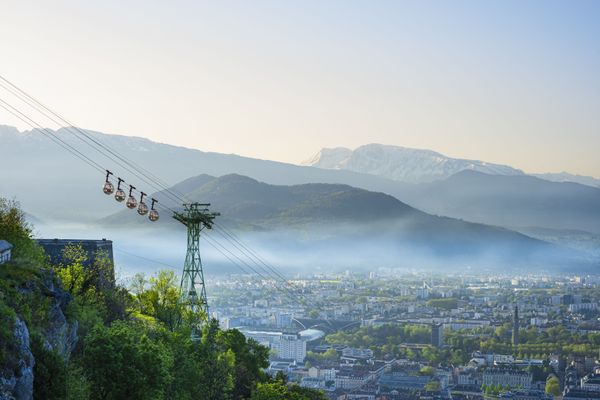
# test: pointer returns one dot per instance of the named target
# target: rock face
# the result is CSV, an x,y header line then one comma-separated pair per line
x,y
19,384
58,334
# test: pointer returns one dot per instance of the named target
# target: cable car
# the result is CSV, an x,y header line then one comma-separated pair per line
x,y
108,186
142,207
120,193
131,201
153,216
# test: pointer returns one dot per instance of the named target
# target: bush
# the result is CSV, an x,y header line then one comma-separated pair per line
x,y
15,229
7,338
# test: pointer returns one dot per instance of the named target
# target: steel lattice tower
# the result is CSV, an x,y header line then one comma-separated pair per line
x,y
195,217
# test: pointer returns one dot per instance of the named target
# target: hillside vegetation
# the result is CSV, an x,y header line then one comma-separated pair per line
x,y
326,217
66,334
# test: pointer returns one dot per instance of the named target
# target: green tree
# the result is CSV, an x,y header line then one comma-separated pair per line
x,y
432,386
431,354
250,360
123,361
443,304
161,299
553,386
49,371
277,390
15,229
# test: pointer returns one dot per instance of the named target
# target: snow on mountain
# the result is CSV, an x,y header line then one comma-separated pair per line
x,y
401,163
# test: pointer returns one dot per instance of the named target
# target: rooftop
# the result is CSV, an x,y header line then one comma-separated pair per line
x,y
4,245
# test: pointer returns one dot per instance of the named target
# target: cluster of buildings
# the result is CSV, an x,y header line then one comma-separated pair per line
x,y
473,306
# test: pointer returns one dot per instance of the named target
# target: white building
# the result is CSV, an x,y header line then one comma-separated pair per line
x,y
286,346
352,380
507,378
284,320
537,321
353,352
591,383
5,251
583,307
326,374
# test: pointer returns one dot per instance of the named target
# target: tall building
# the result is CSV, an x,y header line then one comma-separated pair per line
x,y
284,320
515,334
437,335
286,346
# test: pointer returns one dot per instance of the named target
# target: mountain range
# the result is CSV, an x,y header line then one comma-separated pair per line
x,y
401,163
54,185
510,201
35,166
419,166
339,218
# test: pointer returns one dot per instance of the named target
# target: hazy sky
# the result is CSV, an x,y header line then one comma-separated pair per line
x,y
509,82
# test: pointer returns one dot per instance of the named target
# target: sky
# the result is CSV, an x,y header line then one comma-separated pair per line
x,y
512,82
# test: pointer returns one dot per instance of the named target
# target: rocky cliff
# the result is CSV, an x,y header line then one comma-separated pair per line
x,y
37,305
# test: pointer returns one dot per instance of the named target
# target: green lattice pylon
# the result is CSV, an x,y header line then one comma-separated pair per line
x,y
195,217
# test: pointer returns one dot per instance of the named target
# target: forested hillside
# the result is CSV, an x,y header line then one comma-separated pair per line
x,y
66,334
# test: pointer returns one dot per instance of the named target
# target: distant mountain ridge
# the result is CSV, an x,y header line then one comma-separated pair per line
x,y
54,185
35,167
419,165
511,201
245,200
402,163
567,177
329,214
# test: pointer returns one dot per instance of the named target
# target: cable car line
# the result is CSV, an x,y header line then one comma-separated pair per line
x,y
249,266
95,144
244,250
282,283
233,237
146,175
55,138
132,203
51,135
289,294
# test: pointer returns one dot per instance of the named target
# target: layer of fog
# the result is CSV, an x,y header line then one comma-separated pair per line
x,y
309,251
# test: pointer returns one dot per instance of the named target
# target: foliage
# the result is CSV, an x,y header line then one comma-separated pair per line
x,y
134,345
77,384
278,390
250,360
15,229
329,355
161,299
432,386
7,324
553,386
49,371
382,339
143,364
443,304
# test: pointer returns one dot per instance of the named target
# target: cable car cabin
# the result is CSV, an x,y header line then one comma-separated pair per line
x,y
5,251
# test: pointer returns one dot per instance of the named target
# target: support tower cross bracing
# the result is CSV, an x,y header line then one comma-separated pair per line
x,y
195,217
